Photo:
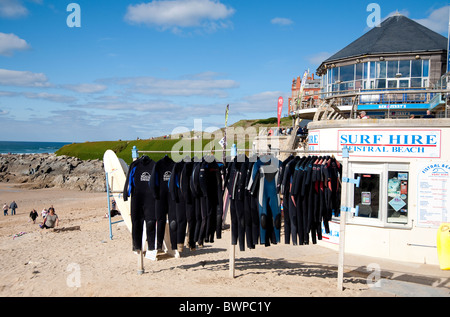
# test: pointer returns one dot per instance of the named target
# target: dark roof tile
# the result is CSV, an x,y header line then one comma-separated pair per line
x,y
396,34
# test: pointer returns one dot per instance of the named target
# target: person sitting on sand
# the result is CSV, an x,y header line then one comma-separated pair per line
x,y
33,215
51,221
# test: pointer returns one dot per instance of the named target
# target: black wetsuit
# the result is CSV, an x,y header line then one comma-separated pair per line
x,y
186,192
196,197
165,206
211,199
180,203
239,203
137,187
252,214
289,210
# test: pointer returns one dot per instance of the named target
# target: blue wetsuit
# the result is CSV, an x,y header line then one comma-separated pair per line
x,y
263,184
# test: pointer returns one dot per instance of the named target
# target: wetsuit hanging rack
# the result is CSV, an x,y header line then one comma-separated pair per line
x,y
342,218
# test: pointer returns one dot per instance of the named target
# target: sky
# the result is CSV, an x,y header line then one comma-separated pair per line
x,y
92,70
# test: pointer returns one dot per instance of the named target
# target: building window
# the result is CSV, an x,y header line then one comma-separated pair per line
x,y
380,75
416,82
392,69
382,196
404,69
347,73
416,68
426,66
367,196
397,196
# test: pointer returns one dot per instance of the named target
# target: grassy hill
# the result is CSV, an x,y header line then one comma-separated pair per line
x,y
123,149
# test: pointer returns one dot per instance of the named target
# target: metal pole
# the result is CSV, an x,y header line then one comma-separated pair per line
x,y
140,270
342,220
109,207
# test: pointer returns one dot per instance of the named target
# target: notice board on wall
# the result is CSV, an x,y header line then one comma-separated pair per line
x,y
433,196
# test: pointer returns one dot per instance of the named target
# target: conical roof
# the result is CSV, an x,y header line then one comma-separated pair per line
x,y
396,34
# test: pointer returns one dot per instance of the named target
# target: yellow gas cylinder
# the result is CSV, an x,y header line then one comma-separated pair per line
x,y
443,246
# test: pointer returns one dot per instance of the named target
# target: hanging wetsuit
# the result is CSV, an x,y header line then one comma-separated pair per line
x,y
180,203
289,208
196,196
142,201
265,175
186,192
285,202
239,201
229,183
210,180
252,215
165,206
300,198
244,200
315,204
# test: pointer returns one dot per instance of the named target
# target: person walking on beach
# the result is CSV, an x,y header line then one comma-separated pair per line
x,y
13,207
33,215
5,210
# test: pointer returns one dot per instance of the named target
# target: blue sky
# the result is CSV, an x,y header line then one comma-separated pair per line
x,y
143,68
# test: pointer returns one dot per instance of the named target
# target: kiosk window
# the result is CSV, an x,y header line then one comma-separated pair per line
x,y
397,202
367,196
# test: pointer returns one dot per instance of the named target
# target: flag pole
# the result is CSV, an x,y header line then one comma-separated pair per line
x,y
224,155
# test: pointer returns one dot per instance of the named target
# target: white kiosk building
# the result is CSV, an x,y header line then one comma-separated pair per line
x,y
391,73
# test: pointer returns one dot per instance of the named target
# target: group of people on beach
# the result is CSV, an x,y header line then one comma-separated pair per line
x,y
50,218
13,206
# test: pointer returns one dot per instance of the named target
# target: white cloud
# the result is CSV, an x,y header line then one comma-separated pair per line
x,y
86,88
10,43
12,9
198,85
8,94
437,20
261,102
49,97
177,14
282,21
155,106
318,58
23,78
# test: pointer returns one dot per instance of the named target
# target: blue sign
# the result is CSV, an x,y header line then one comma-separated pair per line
x,y
403,106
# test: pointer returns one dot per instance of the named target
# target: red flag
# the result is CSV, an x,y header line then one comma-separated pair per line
x,y
280,109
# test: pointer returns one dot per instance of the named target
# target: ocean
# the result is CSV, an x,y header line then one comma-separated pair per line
x,y
24,147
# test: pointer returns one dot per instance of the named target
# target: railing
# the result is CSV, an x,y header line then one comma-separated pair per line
x,y
380,96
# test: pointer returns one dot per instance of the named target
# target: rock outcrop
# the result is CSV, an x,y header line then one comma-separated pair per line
x,y
48,170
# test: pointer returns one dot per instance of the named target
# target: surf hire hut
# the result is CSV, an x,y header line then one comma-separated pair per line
x,y
403,164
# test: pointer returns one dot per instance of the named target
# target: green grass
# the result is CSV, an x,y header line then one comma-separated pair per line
x,y
123,149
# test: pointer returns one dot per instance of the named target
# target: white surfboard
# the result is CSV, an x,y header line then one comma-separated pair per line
x,y
117,171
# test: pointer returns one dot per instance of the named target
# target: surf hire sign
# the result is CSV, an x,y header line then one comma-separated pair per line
x,y
409,143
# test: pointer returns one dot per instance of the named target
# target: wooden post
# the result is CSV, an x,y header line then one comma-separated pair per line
x,y
342,220
232,260
140,262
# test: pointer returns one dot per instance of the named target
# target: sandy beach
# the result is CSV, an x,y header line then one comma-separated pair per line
x,y
85,262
